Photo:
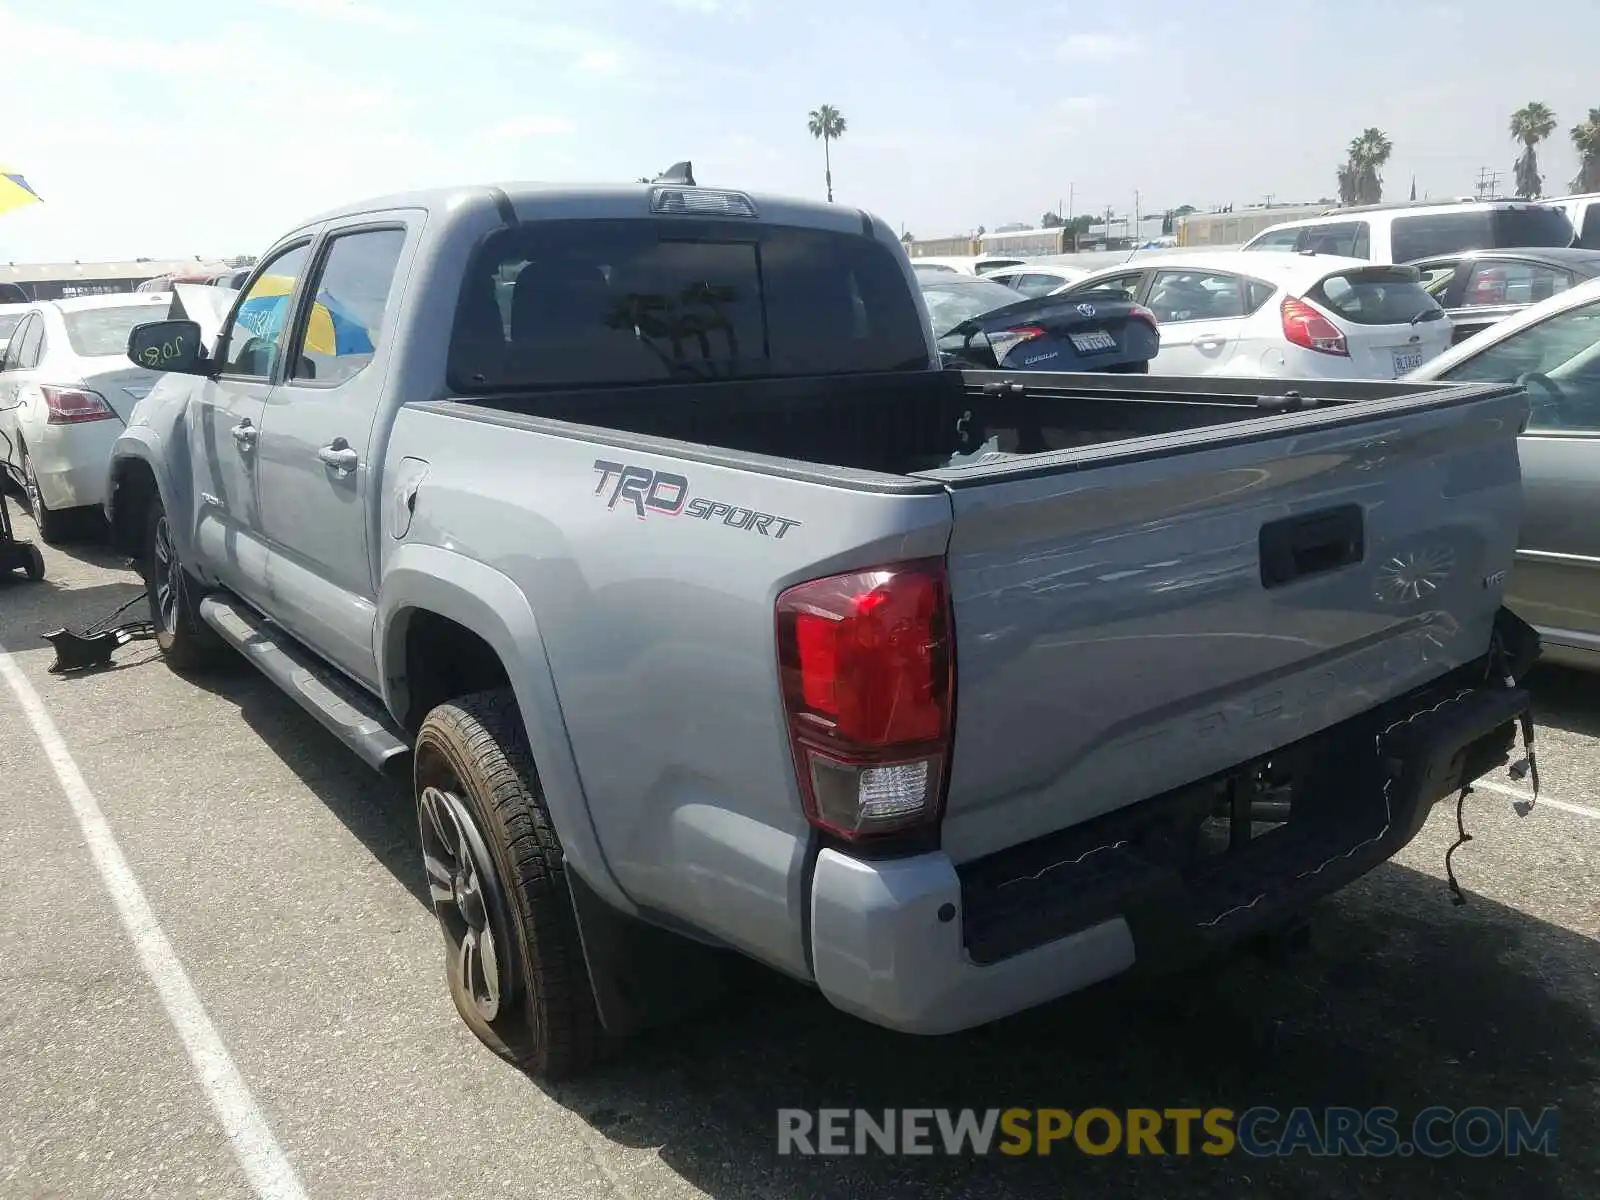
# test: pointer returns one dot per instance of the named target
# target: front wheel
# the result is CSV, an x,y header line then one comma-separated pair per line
x,y
186,641
497,880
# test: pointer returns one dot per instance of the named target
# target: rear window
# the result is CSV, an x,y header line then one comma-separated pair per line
x,y
1428,234
1375,296
620,302
954,301
101,332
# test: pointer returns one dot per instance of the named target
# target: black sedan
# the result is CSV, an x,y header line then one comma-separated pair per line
x,y
982,324
1479,287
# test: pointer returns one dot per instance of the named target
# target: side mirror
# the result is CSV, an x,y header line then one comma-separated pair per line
x,y
168,346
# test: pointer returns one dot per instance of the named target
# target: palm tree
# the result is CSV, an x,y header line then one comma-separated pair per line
x,y
1586,140
1530,125
1368,153
827,123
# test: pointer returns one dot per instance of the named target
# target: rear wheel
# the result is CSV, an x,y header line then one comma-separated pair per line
x,y
186,641
32,561
53,526
496,876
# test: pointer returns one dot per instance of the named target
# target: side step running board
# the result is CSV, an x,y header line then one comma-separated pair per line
x,y
355,719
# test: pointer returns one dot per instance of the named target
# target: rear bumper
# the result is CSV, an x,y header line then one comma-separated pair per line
x,y
923,946
71,463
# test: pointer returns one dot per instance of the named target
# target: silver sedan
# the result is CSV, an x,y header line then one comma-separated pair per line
x,y
1553,349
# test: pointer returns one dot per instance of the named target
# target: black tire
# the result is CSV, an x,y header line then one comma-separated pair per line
x,y
496,875
32,561
54,527
187,642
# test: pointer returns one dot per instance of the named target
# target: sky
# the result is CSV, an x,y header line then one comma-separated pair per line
x,y
187,127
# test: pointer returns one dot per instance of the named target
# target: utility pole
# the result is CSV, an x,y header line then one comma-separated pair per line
x,y
1070,189
1488,183
1268,199
1135,212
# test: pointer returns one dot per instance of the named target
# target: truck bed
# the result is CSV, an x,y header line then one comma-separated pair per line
x,y
1153,579
910,422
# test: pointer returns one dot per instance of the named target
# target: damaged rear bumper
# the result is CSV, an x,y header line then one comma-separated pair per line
x,y
926,946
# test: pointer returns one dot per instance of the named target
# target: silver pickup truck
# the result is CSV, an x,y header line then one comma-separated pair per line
x,y
710,618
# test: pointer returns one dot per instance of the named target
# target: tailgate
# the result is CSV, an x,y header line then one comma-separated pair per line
x,y
1140,615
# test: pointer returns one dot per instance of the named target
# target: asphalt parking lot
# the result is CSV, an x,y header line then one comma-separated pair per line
x,y
286,880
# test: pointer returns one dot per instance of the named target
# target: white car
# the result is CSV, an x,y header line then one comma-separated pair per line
x,y
964,264
1037,279
10,317
66,389
1399,233
1297,316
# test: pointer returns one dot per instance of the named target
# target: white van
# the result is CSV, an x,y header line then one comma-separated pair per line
x,y
1399,233
1584,213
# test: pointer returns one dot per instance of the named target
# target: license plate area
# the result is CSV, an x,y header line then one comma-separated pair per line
x,y
1093,342
1407,359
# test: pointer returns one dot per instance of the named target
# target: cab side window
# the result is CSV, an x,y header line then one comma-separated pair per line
x,y
345,321
260,326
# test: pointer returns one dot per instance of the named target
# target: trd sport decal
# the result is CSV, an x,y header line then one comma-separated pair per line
x,y
668,494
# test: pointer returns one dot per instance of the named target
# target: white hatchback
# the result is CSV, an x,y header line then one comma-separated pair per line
x,y
66,389
1297,316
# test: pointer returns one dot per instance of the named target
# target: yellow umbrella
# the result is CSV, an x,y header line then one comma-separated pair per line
x,y
14,191
330,331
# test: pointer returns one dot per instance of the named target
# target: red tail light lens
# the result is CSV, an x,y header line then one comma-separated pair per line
x,y
73,406
1139,312
866,663
1305,326
1004,341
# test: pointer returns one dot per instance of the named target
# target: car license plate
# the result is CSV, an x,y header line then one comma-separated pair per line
x,y
1405,360
1089,343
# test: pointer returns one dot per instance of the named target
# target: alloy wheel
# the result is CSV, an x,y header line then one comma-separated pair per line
x,y
468,900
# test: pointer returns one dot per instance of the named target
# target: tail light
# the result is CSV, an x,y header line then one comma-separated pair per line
x,y
74,406
1305,326
1004,341
1138,312
866,662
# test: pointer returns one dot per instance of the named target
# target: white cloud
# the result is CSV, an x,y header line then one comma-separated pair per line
x,y
529,126
1077,106
600,62
1100,47
353,12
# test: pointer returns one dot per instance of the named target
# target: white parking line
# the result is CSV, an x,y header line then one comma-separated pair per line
x,y
257,1151
1564,805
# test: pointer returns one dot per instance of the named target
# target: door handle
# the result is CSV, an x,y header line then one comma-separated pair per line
x,y
338,455
244,435
1209,341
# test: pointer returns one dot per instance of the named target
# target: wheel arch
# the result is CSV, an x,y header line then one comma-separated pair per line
x,y
448,621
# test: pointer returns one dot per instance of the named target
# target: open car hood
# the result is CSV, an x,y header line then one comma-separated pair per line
x,y
205,305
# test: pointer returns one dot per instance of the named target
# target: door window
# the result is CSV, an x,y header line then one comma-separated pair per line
x,y
1195,296
261,322
1348,239
31,349
345,320
1037,285
1277,239
1563,353
19,335
1127,284
1513,283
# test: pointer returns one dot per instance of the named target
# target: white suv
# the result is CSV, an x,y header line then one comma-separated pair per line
x,y
1398,233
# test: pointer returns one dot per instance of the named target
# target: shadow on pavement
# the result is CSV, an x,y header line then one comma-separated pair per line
x,y
1567,699
1402,1001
